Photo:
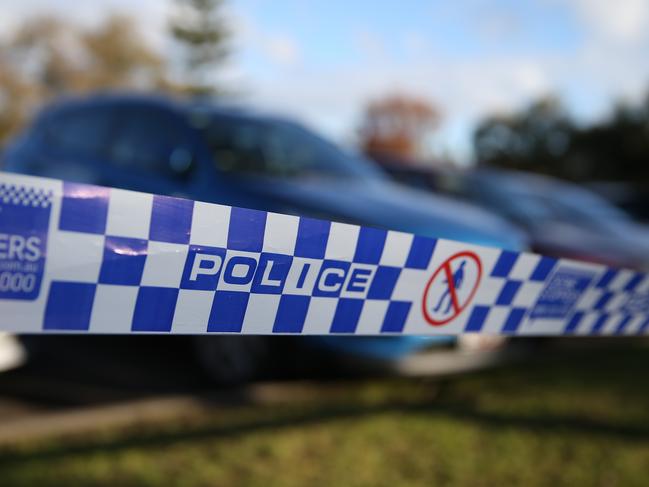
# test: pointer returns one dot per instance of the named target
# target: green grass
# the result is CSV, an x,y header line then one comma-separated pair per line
x,y
577,418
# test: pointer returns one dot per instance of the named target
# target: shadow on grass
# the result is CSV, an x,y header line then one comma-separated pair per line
x,y
452,411
621,369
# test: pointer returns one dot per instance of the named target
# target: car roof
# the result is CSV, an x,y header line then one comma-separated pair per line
x,y
175,103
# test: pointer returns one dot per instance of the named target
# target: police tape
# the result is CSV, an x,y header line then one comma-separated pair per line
x,y
81,258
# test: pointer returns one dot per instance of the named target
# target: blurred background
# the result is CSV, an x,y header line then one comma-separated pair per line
x,y
520,125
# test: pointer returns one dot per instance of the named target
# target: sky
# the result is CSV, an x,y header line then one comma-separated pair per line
x,y
322,60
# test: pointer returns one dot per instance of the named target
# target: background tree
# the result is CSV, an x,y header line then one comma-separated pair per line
x,y
119,58
535,139
616,149
200,31
397,127
49,57
543,138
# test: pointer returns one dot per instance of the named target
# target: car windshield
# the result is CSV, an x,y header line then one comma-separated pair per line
x,y
279,148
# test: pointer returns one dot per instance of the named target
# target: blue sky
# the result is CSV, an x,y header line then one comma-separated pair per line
x,y
321,61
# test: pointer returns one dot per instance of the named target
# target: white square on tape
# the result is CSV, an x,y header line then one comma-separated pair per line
x,y
74,256
319,316
372,316
112,311
621,280
528,294
396,249
524,266
280,233
192,311
210,224
342,242
410,285
496,319
260,313
164,264
129,214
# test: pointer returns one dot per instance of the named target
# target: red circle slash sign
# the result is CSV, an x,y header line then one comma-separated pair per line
x,y
451,288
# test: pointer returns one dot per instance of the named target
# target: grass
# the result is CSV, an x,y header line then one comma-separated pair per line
x,y
576,417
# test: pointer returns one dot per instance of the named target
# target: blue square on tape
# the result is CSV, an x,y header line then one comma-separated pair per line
x,y
348,312
561,293
271,274
505,263
395,317
385,279
171,219
228,311
599,324
369,245
421,251
606,278
477,318
154,309
84,208
246,230
291,314
312,237
508,293
514,320
543,268
572,325
69,306
203,267
634,281
123,261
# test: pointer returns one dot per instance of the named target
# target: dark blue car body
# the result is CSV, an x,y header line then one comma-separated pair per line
x,y
180,148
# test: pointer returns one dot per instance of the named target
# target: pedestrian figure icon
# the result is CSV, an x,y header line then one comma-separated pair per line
x,y
451,288
458,277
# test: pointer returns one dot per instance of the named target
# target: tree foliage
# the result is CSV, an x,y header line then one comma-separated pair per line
x,y
544,138
200,30
49,57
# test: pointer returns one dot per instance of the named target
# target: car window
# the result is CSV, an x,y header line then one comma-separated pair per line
x,y
238,147
279,148
581,204
516,200
79,130
151,140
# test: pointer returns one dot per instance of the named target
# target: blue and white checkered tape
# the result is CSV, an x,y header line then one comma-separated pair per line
x,y
80,258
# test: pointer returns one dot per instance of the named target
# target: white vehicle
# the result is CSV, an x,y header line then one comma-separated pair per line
x,y
12,353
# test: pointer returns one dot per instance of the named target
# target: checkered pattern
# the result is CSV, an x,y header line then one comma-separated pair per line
x,y
513,283
610,301
139,251
617,304
122,262
25,196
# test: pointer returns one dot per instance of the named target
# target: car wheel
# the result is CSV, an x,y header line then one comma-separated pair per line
x,y
232,360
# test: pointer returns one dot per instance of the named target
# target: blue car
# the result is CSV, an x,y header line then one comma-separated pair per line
x,y
231,156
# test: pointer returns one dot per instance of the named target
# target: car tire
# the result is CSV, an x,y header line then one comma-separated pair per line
x,y
232,360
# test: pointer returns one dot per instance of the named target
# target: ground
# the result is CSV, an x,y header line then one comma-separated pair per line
x,y
573,416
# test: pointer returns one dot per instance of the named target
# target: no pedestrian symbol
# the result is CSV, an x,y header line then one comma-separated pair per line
x,y
451,288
